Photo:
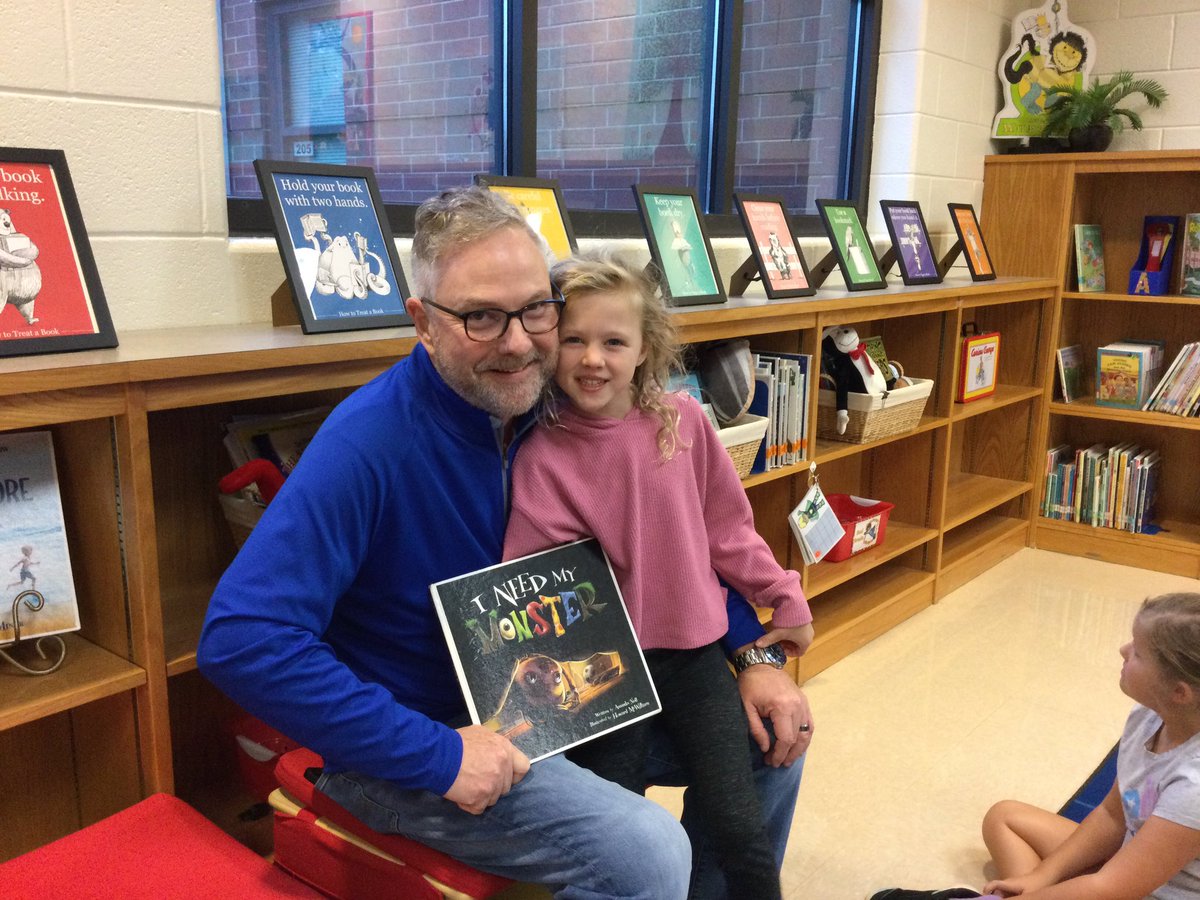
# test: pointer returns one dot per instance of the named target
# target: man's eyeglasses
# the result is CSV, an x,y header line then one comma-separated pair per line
x,y
490,324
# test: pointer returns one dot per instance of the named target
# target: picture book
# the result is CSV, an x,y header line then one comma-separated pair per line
x,y
1089,258
1119,376
1070,372
1134,368
1189,275
544,649
33,540
878,353
1175,376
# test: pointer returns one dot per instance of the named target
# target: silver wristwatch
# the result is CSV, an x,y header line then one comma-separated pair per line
x,y
772,655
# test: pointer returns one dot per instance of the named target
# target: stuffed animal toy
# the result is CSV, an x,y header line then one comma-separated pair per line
x,y
844,357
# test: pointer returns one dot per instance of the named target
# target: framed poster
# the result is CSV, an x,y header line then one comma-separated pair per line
x,y
776,250
910,237
679,245
851,245
541,203
336,245
979,263
50,294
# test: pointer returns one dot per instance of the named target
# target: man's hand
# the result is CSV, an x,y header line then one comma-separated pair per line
x,y
794,641
491,765
771,693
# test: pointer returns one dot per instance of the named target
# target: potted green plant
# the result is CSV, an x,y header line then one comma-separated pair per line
x,y
1088,117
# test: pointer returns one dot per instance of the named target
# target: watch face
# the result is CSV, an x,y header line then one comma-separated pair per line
x,y
775,655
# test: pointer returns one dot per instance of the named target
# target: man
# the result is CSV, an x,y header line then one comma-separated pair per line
x,y
324,626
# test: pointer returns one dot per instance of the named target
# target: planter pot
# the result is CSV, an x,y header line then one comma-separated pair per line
x,y
1090,139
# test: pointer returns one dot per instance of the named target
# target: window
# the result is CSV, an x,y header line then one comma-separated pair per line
x,y
762,96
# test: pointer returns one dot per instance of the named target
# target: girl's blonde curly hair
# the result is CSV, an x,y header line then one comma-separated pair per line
x,y
608,271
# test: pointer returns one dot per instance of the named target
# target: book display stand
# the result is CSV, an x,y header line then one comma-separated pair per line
x,y
747,273
943,266
34,601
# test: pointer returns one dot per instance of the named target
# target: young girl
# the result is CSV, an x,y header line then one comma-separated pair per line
x,y
1143,840
643,471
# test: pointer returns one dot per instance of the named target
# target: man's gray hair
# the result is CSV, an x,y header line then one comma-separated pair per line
x,y
454,219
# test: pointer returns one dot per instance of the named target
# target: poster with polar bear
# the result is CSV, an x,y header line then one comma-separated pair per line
x,y
50,295
336,246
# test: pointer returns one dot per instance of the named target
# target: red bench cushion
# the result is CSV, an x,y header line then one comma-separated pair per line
x,y
157,848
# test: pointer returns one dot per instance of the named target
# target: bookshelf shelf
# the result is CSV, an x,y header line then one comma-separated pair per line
x,y
827,450
1030,206
1005,395
901,537
976,545
1157,300
89,673
855,613
970,495
1087,408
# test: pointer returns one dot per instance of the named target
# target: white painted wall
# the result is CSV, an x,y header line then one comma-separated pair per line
x,y
135,102
938,89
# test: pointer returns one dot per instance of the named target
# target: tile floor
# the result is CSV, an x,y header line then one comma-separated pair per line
x,y
1006,688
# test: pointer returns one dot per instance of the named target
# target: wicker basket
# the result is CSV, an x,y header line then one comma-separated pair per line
x,y
742,440
874,417
242,514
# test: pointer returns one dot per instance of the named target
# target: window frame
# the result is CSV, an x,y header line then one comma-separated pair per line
x,y
515,104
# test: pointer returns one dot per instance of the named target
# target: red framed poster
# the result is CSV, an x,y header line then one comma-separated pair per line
x,y
50,294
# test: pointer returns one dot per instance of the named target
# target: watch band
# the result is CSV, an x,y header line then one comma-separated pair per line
x,y
772,655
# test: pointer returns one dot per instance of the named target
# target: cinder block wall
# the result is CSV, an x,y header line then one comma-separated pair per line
x,y
131,91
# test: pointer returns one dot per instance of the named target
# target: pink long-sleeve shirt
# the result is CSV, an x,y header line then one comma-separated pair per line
x,y
669,527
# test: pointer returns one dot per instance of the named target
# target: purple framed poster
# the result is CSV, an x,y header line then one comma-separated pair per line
x,y
910,238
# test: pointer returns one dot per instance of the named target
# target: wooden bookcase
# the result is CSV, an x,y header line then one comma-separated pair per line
x,y
138,431
1030,205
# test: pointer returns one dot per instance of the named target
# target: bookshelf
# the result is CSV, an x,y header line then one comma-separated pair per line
x,y
1030,205
137,433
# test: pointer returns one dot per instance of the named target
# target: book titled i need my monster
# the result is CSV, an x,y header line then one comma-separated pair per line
x,y
544,649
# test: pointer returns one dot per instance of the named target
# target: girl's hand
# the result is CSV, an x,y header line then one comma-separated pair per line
x,y
1014,887
794,641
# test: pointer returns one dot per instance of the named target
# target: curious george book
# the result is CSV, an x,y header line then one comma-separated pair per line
x,y
544,649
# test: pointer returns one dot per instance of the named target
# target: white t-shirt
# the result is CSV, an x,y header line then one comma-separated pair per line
x,y
1166,785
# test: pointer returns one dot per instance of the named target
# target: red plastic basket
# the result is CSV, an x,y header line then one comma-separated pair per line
x,y
865,522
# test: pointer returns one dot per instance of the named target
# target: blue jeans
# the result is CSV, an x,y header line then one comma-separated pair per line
x,y
560,826
602,842
777,790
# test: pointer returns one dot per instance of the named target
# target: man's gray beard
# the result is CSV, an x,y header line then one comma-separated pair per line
x,y
503,403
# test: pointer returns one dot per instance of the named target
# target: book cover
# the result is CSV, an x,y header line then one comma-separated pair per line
x,y
34,541
763,404
1153,353
1189,274
544,649
878,353
1118,377
1089,258
815,525
1070,372
978,366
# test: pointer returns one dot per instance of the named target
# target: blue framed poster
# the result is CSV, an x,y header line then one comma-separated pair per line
x,y
336,245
